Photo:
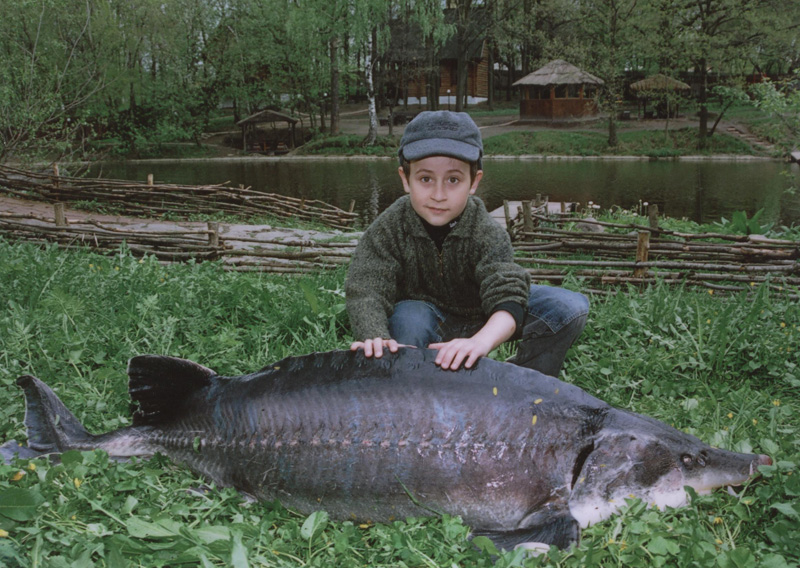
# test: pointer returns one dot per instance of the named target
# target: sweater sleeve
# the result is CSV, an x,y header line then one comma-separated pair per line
x,y
371,286
501,279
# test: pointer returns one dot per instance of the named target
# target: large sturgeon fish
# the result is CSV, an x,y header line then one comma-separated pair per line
x,y
520,456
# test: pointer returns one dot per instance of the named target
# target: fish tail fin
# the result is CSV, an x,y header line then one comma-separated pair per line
x,y
51,427
160,385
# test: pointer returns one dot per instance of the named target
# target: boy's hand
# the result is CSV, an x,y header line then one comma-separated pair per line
x,y
453,353
375,346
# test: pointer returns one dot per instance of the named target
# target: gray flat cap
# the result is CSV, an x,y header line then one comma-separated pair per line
x,y
442,133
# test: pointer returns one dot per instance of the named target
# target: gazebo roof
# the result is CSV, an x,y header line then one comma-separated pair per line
x,y
267,116
659,82
559,72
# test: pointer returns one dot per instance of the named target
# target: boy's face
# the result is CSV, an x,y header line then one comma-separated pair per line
x,y
439,187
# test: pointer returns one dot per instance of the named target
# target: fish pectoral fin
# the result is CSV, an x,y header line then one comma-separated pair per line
x,y
559,530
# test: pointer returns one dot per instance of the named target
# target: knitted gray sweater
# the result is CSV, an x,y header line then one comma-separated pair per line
x,y
397,260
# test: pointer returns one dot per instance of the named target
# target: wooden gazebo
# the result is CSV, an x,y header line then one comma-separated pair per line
x,y
249,124
658,86
559,90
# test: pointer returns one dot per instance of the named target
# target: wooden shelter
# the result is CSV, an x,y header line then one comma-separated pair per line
x,y
559,90
659,87
255,143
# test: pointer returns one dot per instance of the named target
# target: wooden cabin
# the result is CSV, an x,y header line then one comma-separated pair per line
x,y
558,91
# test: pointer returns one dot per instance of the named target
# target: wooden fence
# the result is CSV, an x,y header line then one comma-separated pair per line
x,y
619,255
179,201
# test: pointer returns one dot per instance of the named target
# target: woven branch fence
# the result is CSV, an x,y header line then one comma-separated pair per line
x,y
181,201
636,255
641,255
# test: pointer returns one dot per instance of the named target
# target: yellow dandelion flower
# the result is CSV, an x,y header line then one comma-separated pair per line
x,y
363,526
783,324
711,292
752,283
77,483
708,321
116,268
730,415
718,520
3,534
17,476
719,541
776,402
494,391
755,422
32,466
74,517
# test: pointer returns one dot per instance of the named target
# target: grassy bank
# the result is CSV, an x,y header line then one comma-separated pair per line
x,y
722,368
654,143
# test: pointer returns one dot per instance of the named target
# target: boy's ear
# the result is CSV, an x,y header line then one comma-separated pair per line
x,y
475,182
404,179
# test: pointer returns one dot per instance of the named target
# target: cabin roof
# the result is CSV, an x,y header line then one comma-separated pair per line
x,y
558,72
267,115
659,82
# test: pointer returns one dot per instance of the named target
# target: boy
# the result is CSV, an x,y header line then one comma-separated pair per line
x,y
435,270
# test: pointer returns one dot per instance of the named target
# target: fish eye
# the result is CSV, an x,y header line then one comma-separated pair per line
x,y
686,459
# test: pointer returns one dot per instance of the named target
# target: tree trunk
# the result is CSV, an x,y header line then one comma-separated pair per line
x,y
334,46
612,128
369,64
702,135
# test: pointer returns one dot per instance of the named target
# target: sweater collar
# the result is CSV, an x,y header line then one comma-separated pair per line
x,y
462,227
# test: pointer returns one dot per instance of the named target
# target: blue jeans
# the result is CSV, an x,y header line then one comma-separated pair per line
x,y
555,319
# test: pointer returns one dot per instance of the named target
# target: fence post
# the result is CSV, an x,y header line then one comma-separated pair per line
x,y
213,234
642,252
149,179
652,212
527,219
58,210
509,220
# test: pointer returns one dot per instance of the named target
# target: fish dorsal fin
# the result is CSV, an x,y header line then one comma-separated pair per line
x,y
51,426
159,385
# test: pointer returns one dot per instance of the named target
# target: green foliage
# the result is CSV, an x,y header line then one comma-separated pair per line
x,y
740,224
632,143
723,368
348,145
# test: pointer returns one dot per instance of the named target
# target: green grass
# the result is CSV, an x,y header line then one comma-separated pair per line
x,y
722,368
653,143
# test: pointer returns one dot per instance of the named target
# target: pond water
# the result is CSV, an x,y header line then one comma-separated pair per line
x,y
703,191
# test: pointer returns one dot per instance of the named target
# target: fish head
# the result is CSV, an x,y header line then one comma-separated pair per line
x,y
653,466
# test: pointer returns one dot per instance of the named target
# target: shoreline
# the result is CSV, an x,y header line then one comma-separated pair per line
x,y
490,157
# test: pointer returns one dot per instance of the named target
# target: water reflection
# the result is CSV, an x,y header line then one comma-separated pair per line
x,y
701,191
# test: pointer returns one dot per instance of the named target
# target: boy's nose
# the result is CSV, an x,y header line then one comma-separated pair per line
x,y
439,193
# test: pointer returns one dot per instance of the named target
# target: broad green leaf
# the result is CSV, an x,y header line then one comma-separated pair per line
x,y
139,528
314,524
239,552
662,546
787,509
212,534
20,504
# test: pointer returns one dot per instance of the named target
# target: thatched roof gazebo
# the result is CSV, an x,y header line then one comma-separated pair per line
x,y
658,86
559,90
248,126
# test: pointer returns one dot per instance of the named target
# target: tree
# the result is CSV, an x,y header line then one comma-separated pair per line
x,y
613,32
49,69
718,35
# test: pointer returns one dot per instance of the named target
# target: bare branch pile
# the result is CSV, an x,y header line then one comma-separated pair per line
x,y
179,201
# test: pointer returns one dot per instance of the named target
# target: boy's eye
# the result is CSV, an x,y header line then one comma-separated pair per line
x,y
454,179
425,179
